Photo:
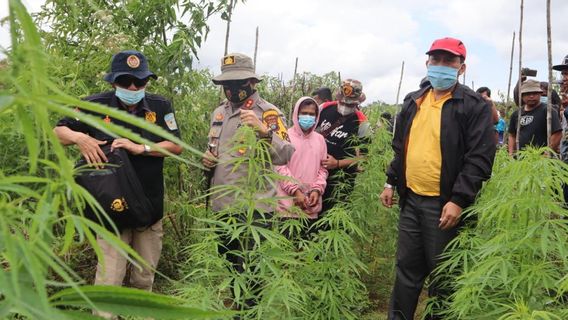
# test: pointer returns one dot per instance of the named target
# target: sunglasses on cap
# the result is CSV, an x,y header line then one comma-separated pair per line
x,y
126,81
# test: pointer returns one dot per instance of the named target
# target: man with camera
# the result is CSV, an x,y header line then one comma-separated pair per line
x,y
527,72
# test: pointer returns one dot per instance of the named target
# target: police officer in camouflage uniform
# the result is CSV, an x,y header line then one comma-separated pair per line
x,y
243,106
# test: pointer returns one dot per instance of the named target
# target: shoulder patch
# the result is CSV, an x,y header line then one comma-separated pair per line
x,y
271,118
170,121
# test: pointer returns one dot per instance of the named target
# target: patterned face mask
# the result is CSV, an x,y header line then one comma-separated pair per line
x,y
238,91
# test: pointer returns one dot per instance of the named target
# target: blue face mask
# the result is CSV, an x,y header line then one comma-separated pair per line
x,y
129,97
306,121
442,77
544,99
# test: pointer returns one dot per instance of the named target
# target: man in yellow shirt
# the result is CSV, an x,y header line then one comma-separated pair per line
x,y
444,149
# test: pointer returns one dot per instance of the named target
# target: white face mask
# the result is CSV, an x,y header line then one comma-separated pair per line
x,y
344,110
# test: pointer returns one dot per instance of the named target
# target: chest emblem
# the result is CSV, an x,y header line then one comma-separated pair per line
x,y
150,116
118,205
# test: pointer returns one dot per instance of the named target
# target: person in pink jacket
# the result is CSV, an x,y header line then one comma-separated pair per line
x,y
307,177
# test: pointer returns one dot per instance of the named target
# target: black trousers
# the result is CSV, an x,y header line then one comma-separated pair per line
x,y
233,250
338,189
420,242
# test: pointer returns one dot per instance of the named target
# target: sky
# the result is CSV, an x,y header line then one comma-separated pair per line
x,y
369,39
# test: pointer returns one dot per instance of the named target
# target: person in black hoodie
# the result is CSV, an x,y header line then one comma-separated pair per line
x,y
444,149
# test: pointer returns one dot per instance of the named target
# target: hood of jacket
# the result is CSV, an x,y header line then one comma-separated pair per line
x,y
295,124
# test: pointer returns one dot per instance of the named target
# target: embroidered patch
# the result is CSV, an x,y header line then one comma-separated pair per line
x,y
228,60
248,104
219,116
274,122
150,116
132,61
170,120
118,205
347,90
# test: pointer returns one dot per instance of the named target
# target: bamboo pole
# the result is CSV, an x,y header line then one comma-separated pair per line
x,y
292,94
521,107
549,93
255,48
400,82
397,96
229,17
511,68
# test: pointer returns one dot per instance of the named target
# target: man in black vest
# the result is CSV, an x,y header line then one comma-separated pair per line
x,y
129,76
344,128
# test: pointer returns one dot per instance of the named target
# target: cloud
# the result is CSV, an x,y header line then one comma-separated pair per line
x,y
368,39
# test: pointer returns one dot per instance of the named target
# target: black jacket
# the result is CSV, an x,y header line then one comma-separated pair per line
x,y
467,142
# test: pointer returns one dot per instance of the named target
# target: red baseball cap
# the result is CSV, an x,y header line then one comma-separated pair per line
x,y
451,45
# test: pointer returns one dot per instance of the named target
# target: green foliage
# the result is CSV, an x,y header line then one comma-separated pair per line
x,y
127,301
290,277
379,224
41,204
512,263
284,95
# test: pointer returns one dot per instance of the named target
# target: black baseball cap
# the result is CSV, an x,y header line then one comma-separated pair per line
x,y
129,62
563,65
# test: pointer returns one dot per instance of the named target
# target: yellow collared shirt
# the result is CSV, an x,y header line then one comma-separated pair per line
x,y
424,154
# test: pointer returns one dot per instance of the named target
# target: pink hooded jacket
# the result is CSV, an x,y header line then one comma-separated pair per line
x,y
304,167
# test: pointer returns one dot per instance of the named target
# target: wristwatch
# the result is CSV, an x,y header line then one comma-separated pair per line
x,y
388,186
147,149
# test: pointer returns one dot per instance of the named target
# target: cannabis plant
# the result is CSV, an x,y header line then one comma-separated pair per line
x,y
511,261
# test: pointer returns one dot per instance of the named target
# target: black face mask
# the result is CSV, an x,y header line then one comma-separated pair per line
x,y
237,91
